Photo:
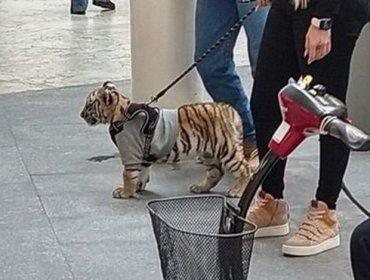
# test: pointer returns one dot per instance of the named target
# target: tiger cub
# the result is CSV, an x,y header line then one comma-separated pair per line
x,y
144,134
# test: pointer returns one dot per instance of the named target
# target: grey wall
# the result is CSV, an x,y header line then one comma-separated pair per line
x,y
359,88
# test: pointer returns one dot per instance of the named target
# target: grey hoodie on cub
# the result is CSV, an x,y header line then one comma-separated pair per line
x,y
131,140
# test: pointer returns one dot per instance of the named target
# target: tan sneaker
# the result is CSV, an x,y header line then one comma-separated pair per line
x,y
270,215
318,233
251,155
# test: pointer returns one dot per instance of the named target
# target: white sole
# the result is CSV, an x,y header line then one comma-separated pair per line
x,y
301,251
272,231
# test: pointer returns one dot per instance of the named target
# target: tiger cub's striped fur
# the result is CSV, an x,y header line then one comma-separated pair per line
x,y
211,131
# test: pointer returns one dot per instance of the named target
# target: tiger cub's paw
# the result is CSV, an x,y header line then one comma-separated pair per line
x,y
141,185
197,188
121,193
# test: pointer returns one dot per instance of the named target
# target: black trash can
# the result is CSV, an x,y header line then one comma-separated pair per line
x,y
191,243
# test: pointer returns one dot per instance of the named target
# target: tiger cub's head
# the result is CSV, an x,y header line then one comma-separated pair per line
x,y
104,105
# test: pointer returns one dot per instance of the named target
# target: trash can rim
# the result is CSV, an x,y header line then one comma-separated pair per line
x,y
226,235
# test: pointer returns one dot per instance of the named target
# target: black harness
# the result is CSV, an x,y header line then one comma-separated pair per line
x,y
151,120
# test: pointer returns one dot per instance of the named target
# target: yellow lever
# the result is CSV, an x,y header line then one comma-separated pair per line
x,y
307,80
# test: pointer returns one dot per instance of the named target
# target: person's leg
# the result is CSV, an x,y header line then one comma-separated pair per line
x,y
213,19
320,230
79,6
333,72
334,154
276,64
253,26
360,251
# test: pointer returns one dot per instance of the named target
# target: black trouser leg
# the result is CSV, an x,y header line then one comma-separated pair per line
x,y
334,154
333,72
360,251
277,62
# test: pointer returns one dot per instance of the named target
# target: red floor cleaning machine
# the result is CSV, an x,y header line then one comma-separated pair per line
x,y
206,237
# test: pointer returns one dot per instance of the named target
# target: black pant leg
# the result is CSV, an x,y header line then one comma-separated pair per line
x,y
277,62
333,72
334,154
360,251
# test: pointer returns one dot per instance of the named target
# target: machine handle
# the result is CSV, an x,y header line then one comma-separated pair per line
x,y
353,137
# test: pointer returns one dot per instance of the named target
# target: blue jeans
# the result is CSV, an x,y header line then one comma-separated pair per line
x,y
81,5
213,19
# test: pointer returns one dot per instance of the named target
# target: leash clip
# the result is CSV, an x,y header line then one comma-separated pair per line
x,y
152,99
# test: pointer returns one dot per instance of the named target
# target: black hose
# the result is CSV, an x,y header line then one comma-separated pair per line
x,y
266,164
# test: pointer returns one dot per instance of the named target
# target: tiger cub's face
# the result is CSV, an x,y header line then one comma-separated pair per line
x,y
104,105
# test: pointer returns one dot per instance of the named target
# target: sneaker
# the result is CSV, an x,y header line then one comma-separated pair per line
x,y
105,4
251,155
270,215
318,233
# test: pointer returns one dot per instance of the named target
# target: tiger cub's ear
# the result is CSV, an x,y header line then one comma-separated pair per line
x,y
105,96
108,85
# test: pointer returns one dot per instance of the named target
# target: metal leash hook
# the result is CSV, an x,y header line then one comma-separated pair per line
x,y
152,99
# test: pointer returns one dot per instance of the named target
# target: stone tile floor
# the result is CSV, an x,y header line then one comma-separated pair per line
x,y
57,217
43,46
59,221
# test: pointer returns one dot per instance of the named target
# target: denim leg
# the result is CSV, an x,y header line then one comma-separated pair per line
x,y
253,26
213,19
79,5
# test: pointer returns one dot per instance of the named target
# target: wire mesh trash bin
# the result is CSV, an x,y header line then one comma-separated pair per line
x,y
190,245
